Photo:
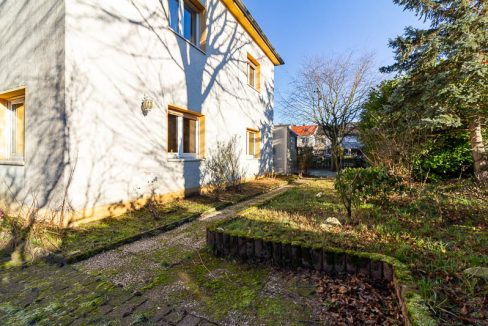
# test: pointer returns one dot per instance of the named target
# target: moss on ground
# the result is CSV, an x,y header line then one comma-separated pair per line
x,y
220,287
102,233
436,233
269,310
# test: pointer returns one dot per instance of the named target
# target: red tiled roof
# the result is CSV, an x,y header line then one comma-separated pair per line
x,y
304,130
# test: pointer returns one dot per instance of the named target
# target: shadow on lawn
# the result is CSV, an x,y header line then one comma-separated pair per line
x,y
438,231
151,219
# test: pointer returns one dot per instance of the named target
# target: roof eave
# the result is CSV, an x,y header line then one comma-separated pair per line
x,y
247,21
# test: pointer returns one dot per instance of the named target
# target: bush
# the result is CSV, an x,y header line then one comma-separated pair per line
x,y
448,157
222,168
356,186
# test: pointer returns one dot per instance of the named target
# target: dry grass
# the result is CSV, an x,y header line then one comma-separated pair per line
x,y
437,230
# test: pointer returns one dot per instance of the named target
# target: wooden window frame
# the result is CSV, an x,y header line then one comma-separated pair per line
x,y
9,156
256,154
200,24
182,113
252,62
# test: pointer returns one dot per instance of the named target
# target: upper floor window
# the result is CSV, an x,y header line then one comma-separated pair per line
x,y
174,12
186,18
190,20
12,127
253,72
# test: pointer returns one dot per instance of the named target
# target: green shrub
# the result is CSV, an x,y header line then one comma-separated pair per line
x,y
446,157
357,186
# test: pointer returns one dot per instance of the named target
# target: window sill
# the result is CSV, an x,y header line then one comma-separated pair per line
x,y
12,163
187,41
252,158
254,88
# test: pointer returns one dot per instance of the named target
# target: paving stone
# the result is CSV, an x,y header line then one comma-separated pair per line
x,y
130,306
106,309
189,320
31,297
175,316
78,322
205,322
161,313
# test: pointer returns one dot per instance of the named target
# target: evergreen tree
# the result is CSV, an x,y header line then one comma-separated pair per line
x,y
445,69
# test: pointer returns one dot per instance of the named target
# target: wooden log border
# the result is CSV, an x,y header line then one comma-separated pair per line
x,y
329,261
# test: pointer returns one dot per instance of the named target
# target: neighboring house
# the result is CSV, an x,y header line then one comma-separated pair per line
x,y
311,136
284,149
352,145
79,79
305,135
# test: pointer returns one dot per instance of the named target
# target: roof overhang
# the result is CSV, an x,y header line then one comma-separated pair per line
x,y
244,17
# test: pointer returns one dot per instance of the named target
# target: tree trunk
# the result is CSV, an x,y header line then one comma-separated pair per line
x,y
334,159
478,151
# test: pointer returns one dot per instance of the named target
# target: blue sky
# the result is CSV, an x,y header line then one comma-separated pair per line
x,y
305,28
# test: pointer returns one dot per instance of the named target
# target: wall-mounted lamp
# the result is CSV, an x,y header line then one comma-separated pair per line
x,y
146,105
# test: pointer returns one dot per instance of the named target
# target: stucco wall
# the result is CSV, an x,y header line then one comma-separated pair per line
x,y
32,55
117,51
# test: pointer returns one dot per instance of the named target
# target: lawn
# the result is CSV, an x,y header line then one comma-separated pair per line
x,y
436,230
102,233
86,239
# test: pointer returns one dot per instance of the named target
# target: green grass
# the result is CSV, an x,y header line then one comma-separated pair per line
x,y
111,230
437,232
87,238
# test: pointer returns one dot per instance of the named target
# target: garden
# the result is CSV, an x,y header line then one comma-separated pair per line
x,y
438,232
22,244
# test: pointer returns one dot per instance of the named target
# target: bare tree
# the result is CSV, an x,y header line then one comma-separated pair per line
x,y
330,93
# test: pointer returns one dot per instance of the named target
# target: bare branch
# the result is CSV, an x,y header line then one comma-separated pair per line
x,y
330,93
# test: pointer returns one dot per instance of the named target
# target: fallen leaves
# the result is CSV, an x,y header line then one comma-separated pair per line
x,y
356,300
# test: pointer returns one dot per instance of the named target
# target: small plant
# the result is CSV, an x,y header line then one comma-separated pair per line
x,y
357,186
223,168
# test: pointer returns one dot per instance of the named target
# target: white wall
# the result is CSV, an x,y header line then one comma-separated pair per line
x,y
119,50
32,55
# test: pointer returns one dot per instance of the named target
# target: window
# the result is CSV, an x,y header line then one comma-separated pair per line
x,y
12,127
172,133
253,143
186,133
185,18
189,136
174,8
253,72
190,24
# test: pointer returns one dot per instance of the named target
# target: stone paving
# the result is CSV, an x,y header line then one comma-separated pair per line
x,y
115,287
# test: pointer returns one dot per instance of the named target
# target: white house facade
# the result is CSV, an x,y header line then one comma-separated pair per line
x,y
104,102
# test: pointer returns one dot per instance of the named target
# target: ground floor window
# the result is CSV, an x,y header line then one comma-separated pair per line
x,y
253,138
185,134
12,126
